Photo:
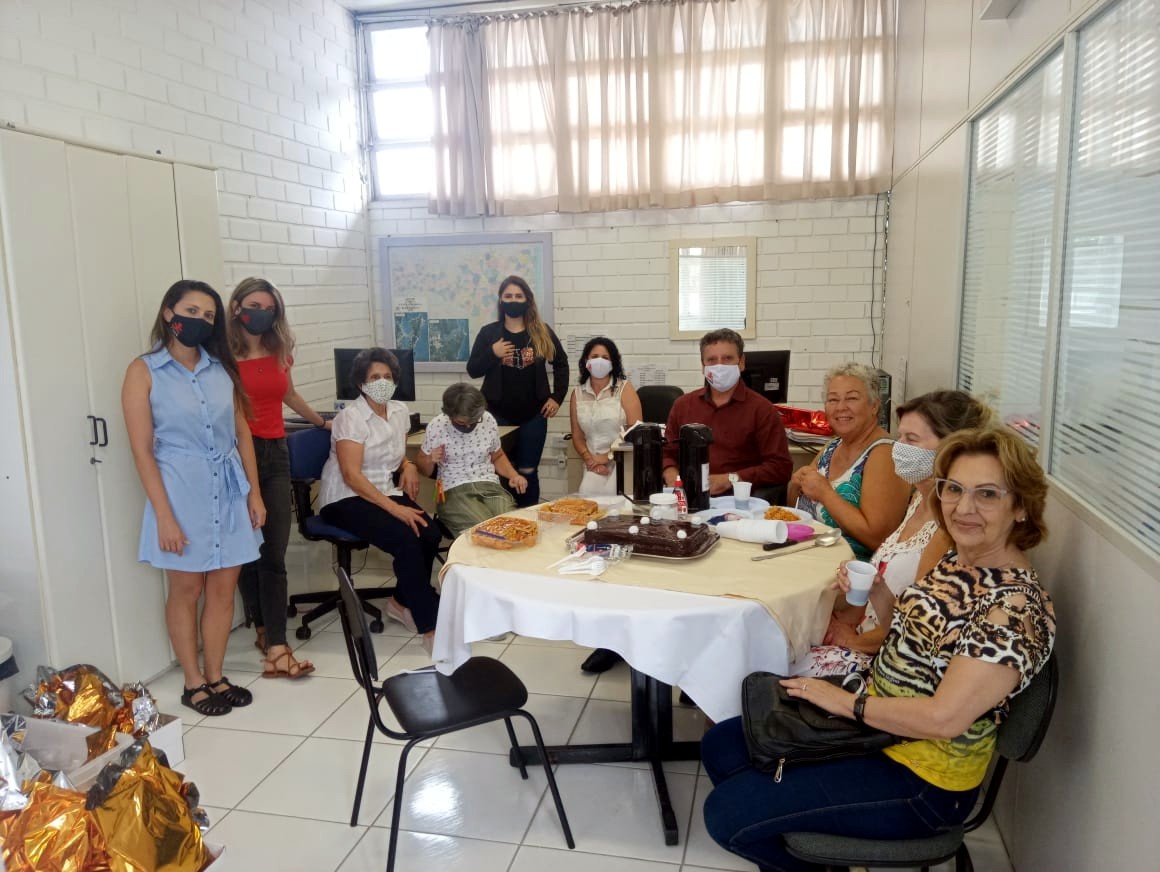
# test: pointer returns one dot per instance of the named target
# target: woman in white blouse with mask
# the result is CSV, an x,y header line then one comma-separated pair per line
x,y
603,405
856,632
359,493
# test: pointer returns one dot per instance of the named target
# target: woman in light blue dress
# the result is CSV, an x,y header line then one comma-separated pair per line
x,y
186,416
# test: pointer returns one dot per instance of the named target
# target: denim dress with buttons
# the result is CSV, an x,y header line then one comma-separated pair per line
x,y
195,443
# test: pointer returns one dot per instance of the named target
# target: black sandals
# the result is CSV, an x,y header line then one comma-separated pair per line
x,y
212,705
231,693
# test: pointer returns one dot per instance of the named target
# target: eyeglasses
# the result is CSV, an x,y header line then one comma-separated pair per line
x,y
986,497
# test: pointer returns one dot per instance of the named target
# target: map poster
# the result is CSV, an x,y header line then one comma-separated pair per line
x,y
438,291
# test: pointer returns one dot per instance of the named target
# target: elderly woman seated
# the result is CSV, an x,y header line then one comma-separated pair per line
x,y
852,484
916,545
463,444
963,641
359,493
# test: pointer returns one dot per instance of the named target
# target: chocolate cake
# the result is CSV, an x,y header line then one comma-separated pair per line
x,y
652,539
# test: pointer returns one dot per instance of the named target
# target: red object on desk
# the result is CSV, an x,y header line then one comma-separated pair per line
x,y
805,420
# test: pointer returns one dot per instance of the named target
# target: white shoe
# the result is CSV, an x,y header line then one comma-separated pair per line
x,y
399,615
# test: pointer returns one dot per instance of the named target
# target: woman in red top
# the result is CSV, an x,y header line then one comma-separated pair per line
x,y
262,342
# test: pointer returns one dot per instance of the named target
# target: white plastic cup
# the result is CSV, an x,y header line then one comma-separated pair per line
x,y
741,491
861,575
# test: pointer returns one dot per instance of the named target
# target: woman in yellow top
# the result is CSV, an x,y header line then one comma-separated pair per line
x,y
963,640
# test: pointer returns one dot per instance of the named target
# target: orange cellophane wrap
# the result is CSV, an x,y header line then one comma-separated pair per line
x,y
89,704
53,832
147,822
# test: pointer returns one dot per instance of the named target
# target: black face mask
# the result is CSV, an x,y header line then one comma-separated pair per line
x,y
190,332
465,428
257,321
514,309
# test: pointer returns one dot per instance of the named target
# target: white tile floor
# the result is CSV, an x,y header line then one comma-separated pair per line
x,y
278,777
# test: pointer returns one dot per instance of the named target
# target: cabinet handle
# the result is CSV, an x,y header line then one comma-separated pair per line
x,y
104,433
93,424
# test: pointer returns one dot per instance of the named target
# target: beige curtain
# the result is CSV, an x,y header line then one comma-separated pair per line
x,y
662,103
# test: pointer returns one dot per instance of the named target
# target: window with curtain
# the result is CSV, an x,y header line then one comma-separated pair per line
x,y
399,111
661,104
1060,323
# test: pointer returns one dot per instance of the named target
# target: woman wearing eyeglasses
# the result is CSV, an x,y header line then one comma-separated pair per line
x,y
856,632
463,445
963,641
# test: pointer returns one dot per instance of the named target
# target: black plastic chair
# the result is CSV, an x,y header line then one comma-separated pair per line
x,y
656,401
1018,739
308,451
428,704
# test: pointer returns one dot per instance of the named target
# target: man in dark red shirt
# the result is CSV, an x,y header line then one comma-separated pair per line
x,y
748,437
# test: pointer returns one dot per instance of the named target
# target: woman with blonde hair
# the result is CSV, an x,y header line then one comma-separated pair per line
x,y
512,355
852,484
263,343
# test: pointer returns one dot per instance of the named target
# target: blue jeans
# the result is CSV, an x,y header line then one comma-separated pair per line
x,y
530,439
870,796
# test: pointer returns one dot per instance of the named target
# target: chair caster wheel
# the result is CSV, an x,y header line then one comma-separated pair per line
x,y
291,611
302,632
376,626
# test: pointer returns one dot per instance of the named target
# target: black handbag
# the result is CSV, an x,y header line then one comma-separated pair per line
x,y
781,729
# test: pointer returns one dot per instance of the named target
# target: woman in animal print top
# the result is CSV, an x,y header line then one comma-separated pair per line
x,y
963,640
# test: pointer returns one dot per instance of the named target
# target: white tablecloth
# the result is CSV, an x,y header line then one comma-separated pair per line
x,y
705,645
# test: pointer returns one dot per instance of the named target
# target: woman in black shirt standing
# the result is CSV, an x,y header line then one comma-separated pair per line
x,y
512,354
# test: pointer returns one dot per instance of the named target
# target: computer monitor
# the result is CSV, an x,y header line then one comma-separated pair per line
x,y
344,390
767,372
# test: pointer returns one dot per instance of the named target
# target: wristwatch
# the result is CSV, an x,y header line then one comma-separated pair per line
x,y
860,707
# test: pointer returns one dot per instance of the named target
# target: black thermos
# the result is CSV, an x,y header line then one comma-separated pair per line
x,y
647,458
695,440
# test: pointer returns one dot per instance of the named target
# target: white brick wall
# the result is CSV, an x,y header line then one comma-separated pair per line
x,y
816,270
264,90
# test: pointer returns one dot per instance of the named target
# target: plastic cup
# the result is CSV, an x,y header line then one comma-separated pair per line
x,y
741,491
861,575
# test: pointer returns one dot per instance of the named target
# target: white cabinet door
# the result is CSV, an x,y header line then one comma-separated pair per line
x,y
105,240
48,328
199,226
156,252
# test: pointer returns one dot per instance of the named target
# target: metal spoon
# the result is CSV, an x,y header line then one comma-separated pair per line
x,y
823,539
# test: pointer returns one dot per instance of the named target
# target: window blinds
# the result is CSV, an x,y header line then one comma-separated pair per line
x,y
1106,420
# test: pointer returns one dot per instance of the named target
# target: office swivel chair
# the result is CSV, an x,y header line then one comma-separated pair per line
x,y
308,451
1018,739
656,401
428,704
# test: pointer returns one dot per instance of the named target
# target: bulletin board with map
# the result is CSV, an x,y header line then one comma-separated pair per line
x,y
438,291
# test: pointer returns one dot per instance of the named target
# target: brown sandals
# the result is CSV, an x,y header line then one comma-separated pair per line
x,y
285,666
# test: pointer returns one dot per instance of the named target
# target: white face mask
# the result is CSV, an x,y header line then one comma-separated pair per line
x,y
599,366
723,376
381,390
912,463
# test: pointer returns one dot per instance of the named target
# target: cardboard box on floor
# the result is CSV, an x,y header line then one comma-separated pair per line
x,y
64,746
169,737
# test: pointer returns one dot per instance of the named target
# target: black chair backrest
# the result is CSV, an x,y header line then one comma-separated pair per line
x,y
1030,713
361,648
656,401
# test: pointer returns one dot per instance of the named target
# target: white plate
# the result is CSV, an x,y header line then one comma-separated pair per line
x,y
803,516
